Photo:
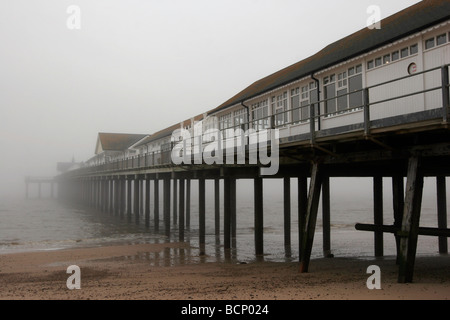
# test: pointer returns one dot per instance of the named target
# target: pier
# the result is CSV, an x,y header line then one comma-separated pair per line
x,y
39,181
382,123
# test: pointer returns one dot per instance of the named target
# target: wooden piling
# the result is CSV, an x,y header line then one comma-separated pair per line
x,y
166,203
129,197
201,204
123,197
217,206
398,191
156,203
147,201
311,217
233,211
175,201
378,214
111,196
442,211
287,212
188,203
302,209
259,216
410,221
136,208
326,218
181,202
227,214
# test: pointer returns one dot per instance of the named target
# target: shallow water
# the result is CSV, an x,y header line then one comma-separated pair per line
x,y
37,225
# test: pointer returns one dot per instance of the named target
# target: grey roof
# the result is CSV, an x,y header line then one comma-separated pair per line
x,y
406,22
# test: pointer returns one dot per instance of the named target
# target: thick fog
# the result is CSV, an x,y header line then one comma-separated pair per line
x,y
139,66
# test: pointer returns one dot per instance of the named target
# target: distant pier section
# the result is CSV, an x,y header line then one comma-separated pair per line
x,y
39,182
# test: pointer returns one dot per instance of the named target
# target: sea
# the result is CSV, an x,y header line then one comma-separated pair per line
x,y
32,225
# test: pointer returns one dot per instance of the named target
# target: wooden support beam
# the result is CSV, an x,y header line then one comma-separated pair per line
x,y
227,214
311,217
259,216
111,196
175,201
156,203
398,191
123,200
378,214
116,195
410,221
326,218
423,231
217,206
287,214
188,203
181,211
147,202
233,211
166,196
136,194
442,211
202,214
129,197
302,208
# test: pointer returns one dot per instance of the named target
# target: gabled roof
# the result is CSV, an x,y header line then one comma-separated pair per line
x,y
406,22
168,131
116,141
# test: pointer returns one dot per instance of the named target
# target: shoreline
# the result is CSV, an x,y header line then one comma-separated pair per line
x,y
174,271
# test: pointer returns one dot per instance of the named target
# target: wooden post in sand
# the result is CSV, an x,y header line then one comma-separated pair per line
x,y
326,222
217,206
302,206
201,214
410,221
129,197
311,217
287,214
378,214
166,196
188,203
181,211
442,211
136,194
156,203
147,201
175,201
226,213
259,219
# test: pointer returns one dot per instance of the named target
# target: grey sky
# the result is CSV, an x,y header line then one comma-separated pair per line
x,y
139,66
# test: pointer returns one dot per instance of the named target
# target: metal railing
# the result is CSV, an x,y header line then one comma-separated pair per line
x,y
316,114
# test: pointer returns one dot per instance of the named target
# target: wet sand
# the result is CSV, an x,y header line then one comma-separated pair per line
x,y
164,272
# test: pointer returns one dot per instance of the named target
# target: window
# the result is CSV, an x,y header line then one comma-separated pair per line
x,y
378,62
387,59
404,52
295,104
240,119
429,43
305,100
355,89
342,79
260,113
395,56
330,94
441,39
414,49
225,122
370,64
279,106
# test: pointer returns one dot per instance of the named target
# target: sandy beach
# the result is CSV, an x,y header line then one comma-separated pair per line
x,y
151,272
